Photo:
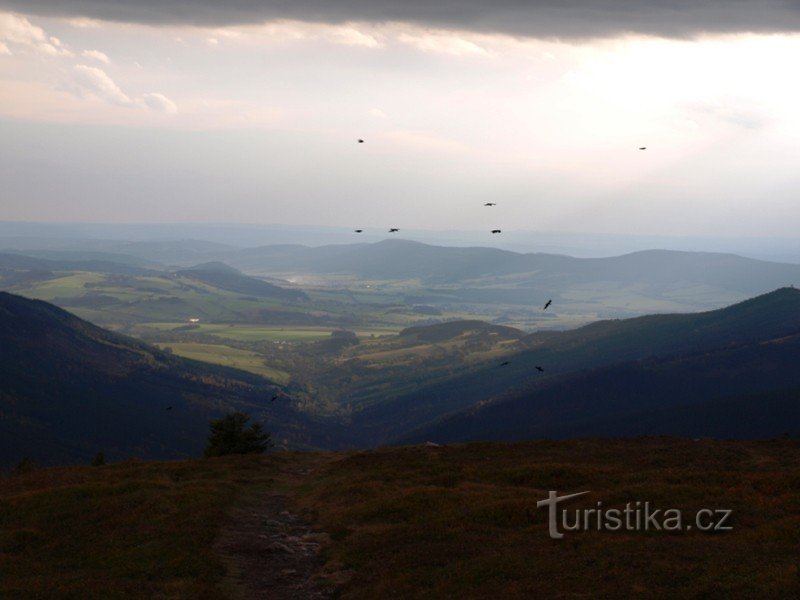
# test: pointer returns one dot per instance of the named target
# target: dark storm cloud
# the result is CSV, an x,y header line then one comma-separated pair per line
x,y
548,18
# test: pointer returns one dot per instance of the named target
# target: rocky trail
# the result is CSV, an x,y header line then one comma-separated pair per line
x,y
273,553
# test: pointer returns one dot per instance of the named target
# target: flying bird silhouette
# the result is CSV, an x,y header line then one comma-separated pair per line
x,y
548,303
496,231
274,398
540,369
169,408
505,362
491,204
643,148
359,230
393,229
360,141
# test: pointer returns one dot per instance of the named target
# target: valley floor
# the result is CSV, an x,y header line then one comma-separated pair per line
x,y
456,521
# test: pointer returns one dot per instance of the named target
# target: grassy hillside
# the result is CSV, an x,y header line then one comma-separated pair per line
x,y
232,281
374,371
129,530
415,522
746,390
462,522
71,389
600,344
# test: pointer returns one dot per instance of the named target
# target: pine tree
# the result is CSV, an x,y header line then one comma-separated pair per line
x,y
230,436
26,465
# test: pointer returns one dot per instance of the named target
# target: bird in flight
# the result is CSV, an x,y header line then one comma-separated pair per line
x,y
274,398
359,230
540,369
393,229
548,303
642,147
360,141
505,362
496,231
491,204
169,408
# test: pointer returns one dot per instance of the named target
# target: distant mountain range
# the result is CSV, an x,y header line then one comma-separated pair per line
x,y
638,283
69,389
98,262
188,243
401,259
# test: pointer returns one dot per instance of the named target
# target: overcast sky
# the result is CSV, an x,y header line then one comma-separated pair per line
x,y
245,111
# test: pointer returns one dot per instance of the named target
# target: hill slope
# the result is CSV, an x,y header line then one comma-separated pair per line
x,y
69,389
604,343
233,281
749,390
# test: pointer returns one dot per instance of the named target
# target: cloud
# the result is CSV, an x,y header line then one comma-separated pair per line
x,y
441,42
96,82
84,23
4,50
96,55
427,142
159,103
347,34
16,30
535,18
739,112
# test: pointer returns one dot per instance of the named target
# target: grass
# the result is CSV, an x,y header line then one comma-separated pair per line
x,y
220,354
462,522
417,522
129,530
268,333
67,286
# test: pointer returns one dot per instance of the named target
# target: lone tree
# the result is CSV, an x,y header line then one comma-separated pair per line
x,y
230,436
26,465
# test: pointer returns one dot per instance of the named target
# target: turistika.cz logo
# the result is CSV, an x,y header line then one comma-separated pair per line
x,y
636,516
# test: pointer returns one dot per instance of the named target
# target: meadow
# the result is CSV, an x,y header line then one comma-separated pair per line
x,y
229,357
416,522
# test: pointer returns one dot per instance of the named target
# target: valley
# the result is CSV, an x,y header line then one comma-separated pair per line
x,y
340,347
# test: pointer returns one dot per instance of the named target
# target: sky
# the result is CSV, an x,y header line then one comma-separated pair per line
x,y
249,112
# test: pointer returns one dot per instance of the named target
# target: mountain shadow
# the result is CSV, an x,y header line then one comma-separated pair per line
x,y
69,389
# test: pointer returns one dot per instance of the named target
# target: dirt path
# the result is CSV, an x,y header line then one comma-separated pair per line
x,y
273,553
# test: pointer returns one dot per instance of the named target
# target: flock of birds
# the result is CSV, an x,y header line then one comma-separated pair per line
x,y
395,229
494,231
547,304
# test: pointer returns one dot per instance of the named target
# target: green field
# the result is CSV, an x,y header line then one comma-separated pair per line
x,y
68,286
151,298
268,333
229,357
